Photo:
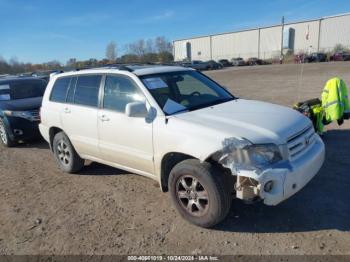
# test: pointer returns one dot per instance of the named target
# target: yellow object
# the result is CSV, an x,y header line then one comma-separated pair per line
x,y
318,114
335,99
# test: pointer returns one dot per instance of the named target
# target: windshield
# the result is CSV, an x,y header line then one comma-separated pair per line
x,y
22,89
184,91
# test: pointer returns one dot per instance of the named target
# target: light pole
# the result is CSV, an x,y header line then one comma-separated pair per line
x,y
281,55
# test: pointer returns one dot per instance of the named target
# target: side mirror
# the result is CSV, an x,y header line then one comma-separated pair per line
x,y
136,109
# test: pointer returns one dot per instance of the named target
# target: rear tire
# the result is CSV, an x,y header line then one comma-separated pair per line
x,y
4,136
199,193
67,158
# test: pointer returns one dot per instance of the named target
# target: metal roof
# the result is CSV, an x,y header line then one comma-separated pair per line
x,y
264,27
149,70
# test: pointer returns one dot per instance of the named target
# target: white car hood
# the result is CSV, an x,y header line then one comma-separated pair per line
x,y
259,122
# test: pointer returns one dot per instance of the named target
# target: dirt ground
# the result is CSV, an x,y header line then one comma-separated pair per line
x,y
104,210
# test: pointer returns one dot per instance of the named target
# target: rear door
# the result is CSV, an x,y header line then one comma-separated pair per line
x,y
125,141
79,114
53,109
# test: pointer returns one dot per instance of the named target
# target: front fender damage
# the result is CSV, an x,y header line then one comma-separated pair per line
x,y
252,183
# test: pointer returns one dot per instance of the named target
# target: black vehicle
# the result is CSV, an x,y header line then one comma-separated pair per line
x,y
20,101
225,62
316,57
197,64
214,65
254,61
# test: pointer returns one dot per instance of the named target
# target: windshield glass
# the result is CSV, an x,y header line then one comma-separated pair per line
x,y
184,91
22,89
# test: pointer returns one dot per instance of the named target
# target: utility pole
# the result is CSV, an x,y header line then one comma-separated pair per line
x,y
282,36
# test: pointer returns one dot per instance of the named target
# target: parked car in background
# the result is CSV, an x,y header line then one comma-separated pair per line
x,y
200,65
340,56
299,58
182,129
316,58
254,61
225,62
4,75
45,74
197,64
213,65
20,101
239,61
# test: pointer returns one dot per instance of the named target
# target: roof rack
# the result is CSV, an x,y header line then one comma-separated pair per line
x,y
127,67
118,66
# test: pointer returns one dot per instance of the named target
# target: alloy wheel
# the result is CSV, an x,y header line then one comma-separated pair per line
x,y
63,152
3,135
192,196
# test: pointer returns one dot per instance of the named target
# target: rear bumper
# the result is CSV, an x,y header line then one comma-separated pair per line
x,y
44,131
291,177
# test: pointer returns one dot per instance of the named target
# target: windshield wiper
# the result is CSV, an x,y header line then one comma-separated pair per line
x,y
179,111
213,103
197,107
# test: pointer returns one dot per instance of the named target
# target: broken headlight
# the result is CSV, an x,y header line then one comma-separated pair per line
x,y
243,155
264,155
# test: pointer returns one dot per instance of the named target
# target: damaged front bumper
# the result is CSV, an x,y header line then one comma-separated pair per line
x,y
279,181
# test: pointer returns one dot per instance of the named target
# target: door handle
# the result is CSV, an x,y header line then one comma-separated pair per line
x,y
104,118
67,110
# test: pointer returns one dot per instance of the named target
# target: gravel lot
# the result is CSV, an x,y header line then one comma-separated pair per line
x,y
104,210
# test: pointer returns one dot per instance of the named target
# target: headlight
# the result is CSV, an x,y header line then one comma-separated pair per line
x,y
16,113
242,154
264,155
22,114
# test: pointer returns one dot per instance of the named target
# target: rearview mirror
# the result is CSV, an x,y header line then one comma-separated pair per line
x,y
136,109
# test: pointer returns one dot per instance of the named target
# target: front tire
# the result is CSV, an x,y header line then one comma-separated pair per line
x,y
4,136
67,158
199,193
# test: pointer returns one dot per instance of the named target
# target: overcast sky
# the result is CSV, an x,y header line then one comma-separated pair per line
x,y
43,30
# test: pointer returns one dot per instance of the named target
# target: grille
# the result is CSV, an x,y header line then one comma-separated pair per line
x,y
301,141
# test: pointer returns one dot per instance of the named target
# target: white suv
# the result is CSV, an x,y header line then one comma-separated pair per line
x,y
179,127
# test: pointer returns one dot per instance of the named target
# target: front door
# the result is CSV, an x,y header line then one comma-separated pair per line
x,y
124,141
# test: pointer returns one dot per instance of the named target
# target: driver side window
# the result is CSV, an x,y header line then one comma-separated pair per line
x,y
119,91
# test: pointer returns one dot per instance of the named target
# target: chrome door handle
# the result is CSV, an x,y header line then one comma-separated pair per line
x,y
67,110
104,118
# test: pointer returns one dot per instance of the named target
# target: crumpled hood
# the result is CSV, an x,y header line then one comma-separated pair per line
x,y
259,122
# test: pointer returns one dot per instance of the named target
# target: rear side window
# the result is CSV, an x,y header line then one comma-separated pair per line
x,y
59,89
87,89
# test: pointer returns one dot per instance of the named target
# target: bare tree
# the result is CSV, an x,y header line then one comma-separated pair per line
x,y
150,46
339,48
162,45
111,51
137,48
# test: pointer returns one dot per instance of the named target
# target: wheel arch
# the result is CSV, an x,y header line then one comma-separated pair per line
x,y
52,132
169,160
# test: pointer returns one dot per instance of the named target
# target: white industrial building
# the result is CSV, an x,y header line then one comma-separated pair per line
x,y
321,34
